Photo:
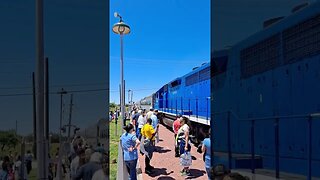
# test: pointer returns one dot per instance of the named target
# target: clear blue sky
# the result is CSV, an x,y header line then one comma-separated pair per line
x,y
168,38
75,42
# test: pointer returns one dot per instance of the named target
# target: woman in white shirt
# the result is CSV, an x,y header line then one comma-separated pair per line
x,y
141,122
183,140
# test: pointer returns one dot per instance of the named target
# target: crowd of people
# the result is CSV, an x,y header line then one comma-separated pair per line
x,y
12,168
86,162
143,132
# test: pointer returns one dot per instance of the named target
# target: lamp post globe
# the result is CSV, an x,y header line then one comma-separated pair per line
x,y
121,28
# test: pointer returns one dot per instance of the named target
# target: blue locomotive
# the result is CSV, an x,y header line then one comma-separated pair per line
x,y
188,95
265,97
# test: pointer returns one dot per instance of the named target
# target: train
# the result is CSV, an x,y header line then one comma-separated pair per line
x,y
264,103
188,95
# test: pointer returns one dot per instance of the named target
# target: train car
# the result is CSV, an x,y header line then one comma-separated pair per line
x,y
189,96
266,96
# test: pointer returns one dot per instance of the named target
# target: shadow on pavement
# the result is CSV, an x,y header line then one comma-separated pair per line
x,y
161,149
159,171
166,178
195,173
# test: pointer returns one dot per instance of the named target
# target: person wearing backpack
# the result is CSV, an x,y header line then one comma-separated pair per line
x,y
148,133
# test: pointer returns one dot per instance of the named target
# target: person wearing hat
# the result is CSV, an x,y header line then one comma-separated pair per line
x,y
149,113
176,126
130,143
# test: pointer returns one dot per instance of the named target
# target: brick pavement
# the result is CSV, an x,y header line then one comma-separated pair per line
x,y
167,166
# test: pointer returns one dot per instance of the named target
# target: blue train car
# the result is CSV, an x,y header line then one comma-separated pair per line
x,y
266,97
188,95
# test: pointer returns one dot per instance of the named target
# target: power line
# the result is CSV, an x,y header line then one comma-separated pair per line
x,y
74,91
77,91
62,85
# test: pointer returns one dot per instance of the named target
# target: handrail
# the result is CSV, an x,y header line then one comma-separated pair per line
x,y
306,117
317,115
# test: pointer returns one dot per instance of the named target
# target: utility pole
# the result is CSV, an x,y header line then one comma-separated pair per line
x,y
131,99
41,174
34,148
59,172
16,127
70,118
46,115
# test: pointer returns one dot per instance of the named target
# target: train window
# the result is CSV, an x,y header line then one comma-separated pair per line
x,y
219,65
165,88
302,40
175,83
192,79
204,74
260,57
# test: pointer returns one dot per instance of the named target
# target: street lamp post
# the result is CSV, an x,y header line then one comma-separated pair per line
x,y
122,29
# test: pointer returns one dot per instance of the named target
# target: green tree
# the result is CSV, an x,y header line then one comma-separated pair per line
x,y
8,139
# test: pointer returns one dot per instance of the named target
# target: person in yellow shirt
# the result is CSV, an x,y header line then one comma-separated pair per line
x,y
148,134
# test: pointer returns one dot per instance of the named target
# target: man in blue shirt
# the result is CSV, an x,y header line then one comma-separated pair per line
x,y
129,143
154,119
155,124
206,148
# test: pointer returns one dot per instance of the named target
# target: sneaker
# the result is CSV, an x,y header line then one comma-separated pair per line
x,y
183,173
151,167
188,173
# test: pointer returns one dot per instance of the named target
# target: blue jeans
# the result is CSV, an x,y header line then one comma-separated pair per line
x,y
209,173
182,145
138,133
131,166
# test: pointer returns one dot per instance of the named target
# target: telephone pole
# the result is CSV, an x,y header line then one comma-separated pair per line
x,y
39,75
70,117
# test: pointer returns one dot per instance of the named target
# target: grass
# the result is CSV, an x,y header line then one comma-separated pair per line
x,y
114,141
33,174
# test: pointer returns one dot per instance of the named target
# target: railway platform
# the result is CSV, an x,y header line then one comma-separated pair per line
x,y
166,165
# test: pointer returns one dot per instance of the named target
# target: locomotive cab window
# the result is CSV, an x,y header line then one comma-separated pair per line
x,y
219,65
175,83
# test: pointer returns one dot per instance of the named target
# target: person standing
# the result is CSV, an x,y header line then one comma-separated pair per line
x,y
86,171
75,163
141,122
28,161
183,141
18,169
148,133
155,124
4,171
135,118
149,113
206,149
176,126
130,143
